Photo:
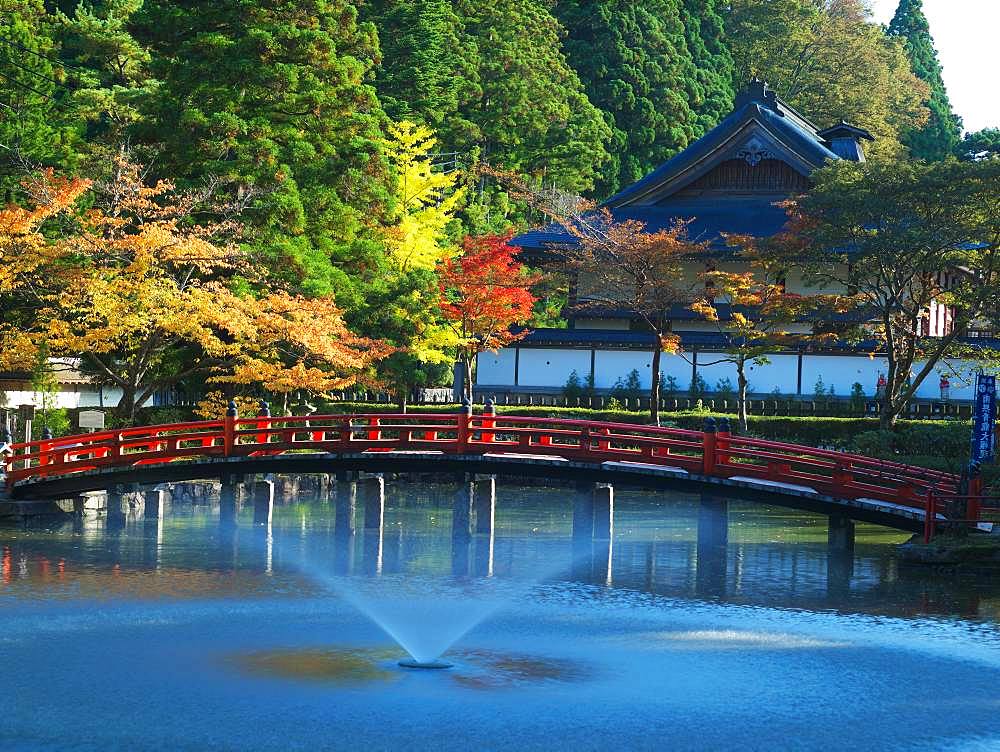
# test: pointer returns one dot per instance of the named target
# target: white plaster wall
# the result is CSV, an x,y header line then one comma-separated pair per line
x,y
495,368
69,397
781,372
611,365
551,367
841,371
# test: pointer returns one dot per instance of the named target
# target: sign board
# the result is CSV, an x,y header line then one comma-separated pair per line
x,y
26,412
91,419
984,410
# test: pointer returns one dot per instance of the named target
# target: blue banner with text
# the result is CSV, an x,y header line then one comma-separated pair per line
x,y
983,419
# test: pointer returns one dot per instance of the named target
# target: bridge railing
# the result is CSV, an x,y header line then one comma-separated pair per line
x,y
834,473
709,452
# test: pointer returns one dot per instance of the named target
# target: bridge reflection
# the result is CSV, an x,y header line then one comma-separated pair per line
x,y
684,547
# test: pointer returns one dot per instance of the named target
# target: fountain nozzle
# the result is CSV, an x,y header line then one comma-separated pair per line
x,y
410,663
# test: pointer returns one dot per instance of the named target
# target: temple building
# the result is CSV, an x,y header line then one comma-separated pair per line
x,y
729,182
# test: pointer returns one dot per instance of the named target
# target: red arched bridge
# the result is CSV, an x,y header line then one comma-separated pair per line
x,y
854,486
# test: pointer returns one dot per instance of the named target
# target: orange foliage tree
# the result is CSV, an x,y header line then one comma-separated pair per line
x,y
484,293
756,317
30,265
147,299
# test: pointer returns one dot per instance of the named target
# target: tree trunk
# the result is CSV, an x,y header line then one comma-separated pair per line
x,y
401,401
467,359
127,406
654,387
741,380
887,415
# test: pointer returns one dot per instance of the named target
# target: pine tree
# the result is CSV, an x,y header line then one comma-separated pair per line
x,y
634,59
34,119
533,114
713,90
272,99
108,71
427,70
939,137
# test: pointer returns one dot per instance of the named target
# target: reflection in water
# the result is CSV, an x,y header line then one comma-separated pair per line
x,y
341,665
698,624
473,669
668,544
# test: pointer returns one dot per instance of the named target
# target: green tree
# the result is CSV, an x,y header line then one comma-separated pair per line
x,y
984,144
634,60
428,68
532,115
939,136
900,235
712,89
272,100
830,61
401,304
107,69
34,127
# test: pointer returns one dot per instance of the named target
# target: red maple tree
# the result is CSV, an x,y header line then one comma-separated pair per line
x,y
484,292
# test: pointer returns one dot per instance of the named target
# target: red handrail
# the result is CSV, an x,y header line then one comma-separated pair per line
x,y
717,454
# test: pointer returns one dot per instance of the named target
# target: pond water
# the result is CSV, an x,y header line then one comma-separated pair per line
x,y
182,634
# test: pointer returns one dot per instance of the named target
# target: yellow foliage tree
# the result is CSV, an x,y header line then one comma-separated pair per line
x,y
428,199
144,297
402,306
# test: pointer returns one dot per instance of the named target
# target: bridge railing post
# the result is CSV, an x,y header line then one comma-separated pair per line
x,y
489,420
45,448
374,432
7,457
264,423
722,436
464,424
709,445
930,515
975,498
229,428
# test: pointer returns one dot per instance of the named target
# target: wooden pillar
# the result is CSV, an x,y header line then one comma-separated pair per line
x,y
484,503
373,494
263,502
840,533
155,502
229,499
712,547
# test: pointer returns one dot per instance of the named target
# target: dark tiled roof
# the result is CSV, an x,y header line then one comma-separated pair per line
x,y
794,131
754,215
710,218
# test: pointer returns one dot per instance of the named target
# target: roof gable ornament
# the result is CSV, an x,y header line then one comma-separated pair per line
x,y
754,151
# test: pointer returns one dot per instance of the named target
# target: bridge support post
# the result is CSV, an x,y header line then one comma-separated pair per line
x,y
373,493
345,507
604,511
713,540
593,530
840,533
263,502
484,503
155,502
116,507
484,506
229,499
461,512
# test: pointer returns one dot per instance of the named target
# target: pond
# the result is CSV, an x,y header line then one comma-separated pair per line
x,y
181,633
